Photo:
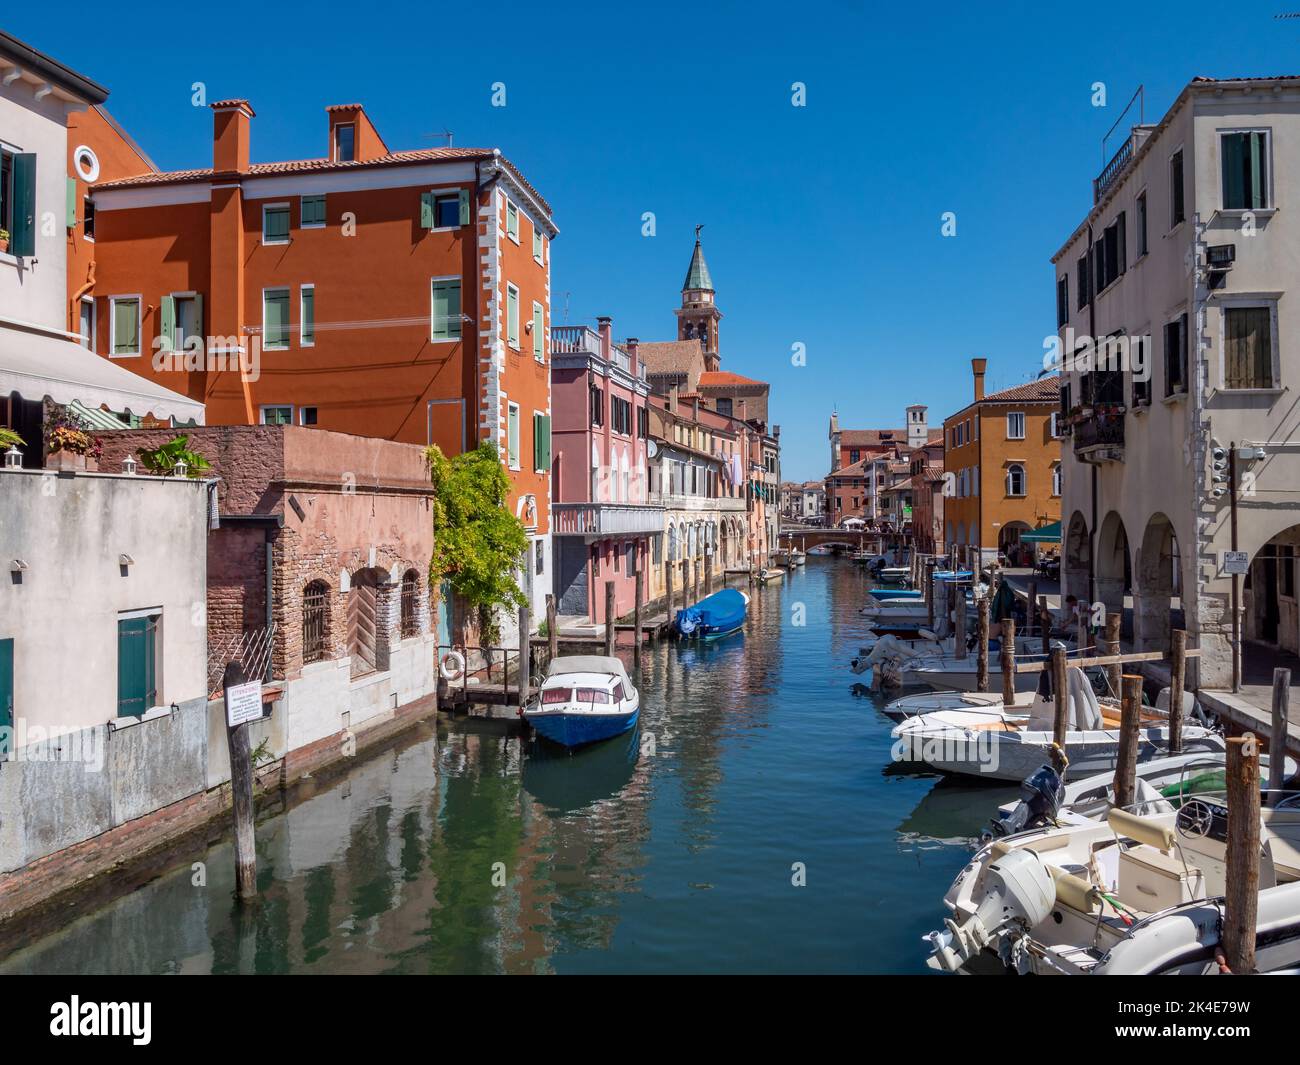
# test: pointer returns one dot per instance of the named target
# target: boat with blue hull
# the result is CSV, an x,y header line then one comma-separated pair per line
x,y
584,699
714,616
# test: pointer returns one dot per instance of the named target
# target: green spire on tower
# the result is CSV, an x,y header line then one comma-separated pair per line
x,y
697,276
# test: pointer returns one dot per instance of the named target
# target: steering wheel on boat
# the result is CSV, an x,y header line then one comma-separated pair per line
x,y
1195,818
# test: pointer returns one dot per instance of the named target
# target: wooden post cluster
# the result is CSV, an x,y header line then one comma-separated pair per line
x,y
552,630
929,592
1241,893
1008,662
959,623
1115,672
1129,721
609,617
525,654
982,648
636,618
1031,608
1045,623
1277,740
668,590
1177,678
1060,696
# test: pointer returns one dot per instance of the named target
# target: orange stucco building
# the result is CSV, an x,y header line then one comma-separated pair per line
x,y
1002,463
394,294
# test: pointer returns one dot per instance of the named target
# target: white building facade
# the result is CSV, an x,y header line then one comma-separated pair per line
x,y
1181,357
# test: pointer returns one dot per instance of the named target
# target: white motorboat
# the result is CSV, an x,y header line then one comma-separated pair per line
x,y
994,742
945,671
1135,894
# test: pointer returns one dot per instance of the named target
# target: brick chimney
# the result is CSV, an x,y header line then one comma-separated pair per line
x,y
977,367
604,326
672,397
230,135
631,345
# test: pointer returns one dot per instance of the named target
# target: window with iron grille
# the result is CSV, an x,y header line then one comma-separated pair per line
x,y
315,621
410,590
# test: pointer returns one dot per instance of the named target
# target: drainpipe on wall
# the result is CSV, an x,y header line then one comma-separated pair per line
x,y
1092,524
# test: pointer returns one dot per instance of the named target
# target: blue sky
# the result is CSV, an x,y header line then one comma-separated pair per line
x,y
822,223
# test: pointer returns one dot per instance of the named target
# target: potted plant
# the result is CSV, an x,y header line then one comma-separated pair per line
x,y
70,443
4,240
163,460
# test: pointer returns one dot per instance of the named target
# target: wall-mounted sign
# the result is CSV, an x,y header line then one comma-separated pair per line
x,y
1236,563
244,703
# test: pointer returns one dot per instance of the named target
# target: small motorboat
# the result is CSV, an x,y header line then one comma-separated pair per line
x,y
884,595
797,557
994,742
714,616
1133,893
584,699
769,576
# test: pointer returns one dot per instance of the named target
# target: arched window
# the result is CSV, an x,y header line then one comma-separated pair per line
x,y
1015,479
410,602
315,621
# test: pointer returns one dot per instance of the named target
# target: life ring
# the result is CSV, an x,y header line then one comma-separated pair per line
x,y
458,660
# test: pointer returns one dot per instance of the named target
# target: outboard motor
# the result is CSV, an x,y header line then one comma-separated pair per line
x,y
1041,794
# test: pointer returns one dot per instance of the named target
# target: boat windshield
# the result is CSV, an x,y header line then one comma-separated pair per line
x,y
592,695
557,695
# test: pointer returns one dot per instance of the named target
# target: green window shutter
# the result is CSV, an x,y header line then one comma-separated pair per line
x,y
126,327
1234,190
542,441
167,326
72,202
1259,180
6,686
198,316
539,330
464,207
537,244
446,310
512,436
275,314
308,324
136,666
22,241
512,317
426,210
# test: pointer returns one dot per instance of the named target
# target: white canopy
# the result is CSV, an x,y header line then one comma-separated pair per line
x,y
570,664
36,365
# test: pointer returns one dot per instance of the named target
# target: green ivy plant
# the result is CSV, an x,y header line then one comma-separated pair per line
x,y
162,460
477,542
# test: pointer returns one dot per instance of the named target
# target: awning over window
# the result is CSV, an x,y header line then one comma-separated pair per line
x,y
37,365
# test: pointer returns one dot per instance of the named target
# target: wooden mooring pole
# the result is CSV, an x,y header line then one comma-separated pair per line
x,y
1115,673
1126,760
982,647
1045,622
959,623
668,591
1031,608
1060,697
1008,663
636,618
525,654
929,592
1241,893
241,788
552,633
1277,740
1177,678
695,585
609,617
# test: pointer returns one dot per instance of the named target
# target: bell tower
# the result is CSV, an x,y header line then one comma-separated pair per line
x,y
699,315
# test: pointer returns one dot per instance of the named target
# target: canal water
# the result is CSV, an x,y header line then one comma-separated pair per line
x,y
754,824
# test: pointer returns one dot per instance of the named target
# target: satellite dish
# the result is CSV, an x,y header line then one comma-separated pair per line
x,y
651,448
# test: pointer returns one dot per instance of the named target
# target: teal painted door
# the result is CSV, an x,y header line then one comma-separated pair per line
x,y
6,694
136,666
444,613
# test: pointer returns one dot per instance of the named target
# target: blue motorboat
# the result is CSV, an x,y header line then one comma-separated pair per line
x,y
584,699
714,616
894,593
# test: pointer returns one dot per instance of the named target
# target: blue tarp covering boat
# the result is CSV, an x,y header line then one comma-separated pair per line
x,y
714,616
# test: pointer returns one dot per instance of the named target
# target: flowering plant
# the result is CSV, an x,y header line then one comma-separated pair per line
x,y
67,431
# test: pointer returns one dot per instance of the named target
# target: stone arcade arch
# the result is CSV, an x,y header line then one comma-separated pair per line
x,y
1113,573
1078,559
1158,584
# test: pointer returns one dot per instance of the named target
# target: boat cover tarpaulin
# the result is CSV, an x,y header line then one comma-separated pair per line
x,y
719,612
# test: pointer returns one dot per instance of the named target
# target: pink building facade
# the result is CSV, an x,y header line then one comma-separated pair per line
x,y
602,518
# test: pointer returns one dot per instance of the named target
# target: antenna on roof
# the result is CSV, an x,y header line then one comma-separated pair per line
x,y
445,133
566,307
1141,97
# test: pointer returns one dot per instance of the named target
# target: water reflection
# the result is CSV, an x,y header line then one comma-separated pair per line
x,y
672,849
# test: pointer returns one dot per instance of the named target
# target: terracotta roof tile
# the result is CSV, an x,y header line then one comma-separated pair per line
x,y
670,356
297,166
1043,390
723,379
872,437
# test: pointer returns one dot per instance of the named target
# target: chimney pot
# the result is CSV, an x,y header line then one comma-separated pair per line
x,y
604,326
977,367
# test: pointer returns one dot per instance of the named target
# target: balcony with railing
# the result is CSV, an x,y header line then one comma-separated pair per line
x,y
1119,162
606,519
583,340
1098,435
